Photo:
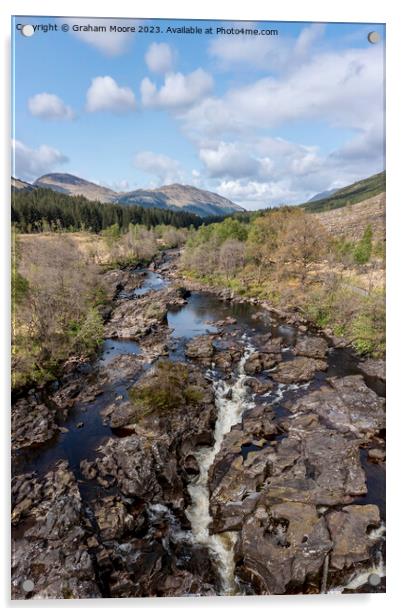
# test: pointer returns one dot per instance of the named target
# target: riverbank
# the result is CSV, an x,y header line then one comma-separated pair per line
x,y
259,470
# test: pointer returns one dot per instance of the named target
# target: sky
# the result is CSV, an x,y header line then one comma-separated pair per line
x,y
261,119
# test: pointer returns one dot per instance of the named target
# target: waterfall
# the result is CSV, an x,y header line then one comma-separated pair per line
x,y
230,411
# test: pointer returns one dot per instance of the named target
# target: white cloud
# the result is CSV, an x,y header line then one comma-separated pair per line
x,y
109,43
49,107
29,163
165,169
256,195
340,88
228,160
159,58
105,95
178,90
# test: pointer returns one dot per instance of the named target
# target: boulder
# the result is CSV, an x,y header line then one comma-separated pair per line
x,y
298,370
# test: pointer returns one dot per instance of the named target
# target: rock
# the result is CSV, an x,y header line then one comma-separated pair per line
x,y
120,368
349,532
316,466
191,466
280,546
135,319
258,362
80,424
113,518
200,347
347,405
373,368
32,424
259,386
376,455
298,370
50,550
310,346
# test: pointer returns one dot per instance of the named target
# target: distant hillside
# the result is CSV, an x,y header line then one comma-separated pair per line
x,y
322,195
351,221
72,185
355,193
179,196
17,185
172,197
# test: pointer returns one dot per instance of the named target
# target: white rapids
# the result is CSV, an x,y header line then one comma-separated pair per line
x,y
230,411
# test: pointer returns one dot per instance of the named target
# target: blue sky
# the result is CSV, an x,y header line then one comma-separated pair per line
x,y
263,120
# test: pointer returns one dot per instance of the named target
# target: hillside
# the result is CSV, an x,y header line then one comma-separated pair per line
x,y
179,196
17,185
351,221
172,197
72,185
355,193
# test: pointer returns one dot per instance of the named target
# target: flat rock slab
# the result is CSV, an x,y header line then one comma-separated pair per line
x,y
298,370
349,531
311,346
280,545
347,405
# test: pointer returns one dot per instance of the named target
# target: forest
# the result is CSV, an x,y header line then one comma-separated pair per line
x,y
46,210
288,258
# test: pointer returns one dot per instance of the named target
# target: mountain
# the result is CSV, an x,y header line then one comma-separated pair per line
x,y
322,195
72,185
349,195
179,196
173,197
17,185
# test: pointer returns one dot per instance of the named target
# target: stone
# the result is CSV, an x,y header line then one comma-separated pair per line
x,y
311,346
347,405
349,531
280,546
298,370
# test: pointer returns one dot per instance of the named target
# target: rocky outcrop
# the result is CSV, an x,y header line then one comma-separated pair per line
x,y
347,405
281,546
310,346
32,424
50,551
298,370
349,529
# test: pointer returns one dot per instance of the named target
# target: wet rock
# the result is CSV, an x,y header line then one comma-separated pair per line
x,y
280,546
349,531
272,346
32,424
298,370
225,359
347,405
50,550
80,424
112,518
310,346
191,465
116,280
259,386
200,347
374,368
135,319
258,362
315,465
120,368
376,455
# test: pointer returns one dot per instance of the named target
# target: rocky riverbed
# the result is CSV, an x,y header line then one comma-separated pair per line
x,y
214,447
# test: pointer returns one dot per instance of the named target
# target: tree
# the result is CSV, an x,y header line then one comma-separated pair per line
x,y
364,247
231,257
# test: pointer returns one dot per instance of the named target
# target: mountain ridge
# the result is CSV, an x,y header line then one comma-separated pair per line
x,y
175,196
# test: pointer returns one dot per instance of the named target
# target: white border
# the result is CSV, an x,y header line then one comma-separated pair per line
x,y
387,11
